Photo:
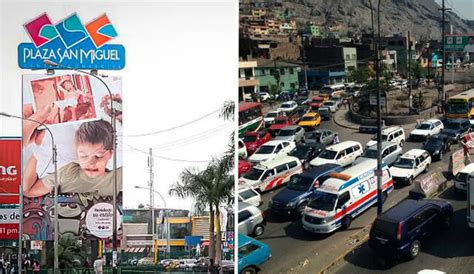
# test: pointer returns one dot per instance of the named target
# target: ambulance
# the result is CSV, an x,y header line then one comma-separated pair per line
x,y
265,177
345,195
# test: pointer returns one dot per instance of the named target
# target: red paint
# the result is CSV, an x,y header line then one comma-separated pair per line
x,y
10,169
8,231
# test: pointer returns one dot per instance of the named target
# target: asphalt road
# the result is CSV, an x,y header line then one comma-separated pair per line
x,y
449,251
295,250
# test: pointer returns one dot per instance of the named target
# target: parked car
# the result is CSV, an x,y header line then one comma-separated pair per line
x,y
283,121
456,128
271,150
343,154
306,153
310,121
264,96
325,113
251,254
331,105
294,198
394,134
321,136
244,167
187,264
146,261
269,118
291,133
249,196
288,106
401,230
390,153
426,129
253,140
251,220
410,165
242,149
460,180
438,145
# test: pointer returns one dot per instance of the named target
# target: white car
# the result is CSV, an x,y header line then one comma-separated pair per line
x,y
271,150
393,134
343,154
331,105
410,165
288,106
426,129
264,96
269,118
249,196
242,149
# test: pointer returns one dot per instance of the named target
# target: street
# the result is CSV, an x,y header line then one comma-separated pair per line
x,y
297,251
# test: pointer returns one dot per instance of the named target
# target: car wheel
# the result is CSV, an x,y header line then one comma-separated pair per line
x,y
427,168
249,270
258,230
410,180
402,142
301,208
346,222
414,249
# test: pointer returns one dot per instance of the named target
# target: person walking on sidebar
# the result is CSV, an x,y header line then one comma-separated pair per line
x,y
99,265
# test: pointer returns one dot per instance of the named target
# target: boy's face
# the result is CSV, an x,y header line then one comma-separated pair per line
x,y
93,158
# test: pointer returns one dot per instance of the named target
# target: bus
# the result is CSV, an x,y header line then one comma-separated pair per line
x,y
250,117
461,105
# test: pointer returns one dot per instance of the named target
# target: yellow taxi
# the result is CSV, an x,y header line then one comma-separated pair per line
x,y
310,120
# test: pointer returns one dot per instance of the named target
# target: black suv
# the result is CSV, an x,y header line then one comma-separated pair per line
x,y
401,229
456,128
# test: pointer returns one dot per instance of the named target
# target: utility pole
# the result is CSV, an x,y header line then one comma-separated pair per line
x,y
152,203
452,57
443,34
410,101
305,69
379,119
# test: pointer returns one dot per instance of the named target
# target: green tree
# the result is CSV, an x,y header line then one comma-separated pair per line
x,y
417,71
70,252
359,75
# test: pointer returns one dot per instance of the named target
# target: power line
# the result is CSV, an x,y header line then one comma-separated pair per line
x,y
175,127
168,158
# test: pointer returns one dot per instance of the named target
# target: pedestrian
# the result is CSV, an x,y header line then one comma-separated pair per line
x,y
87,265
99,265
36,267
336,139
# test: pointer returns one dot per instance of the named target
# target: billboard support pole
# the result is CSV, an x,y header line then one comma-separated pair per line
x,y
20,224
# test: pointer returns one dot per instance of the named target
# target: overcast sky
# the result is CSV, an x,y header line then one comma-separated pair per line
x,y
464,8
181,64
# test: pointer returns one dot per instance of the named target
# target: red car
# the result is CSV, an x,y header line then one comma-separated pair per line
x,y
316,102
254,140
281,122
244,167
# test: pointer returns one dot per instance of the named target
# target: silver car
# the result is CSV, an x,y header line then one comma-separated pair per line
x,y
291,133
251,221
390,153
322,136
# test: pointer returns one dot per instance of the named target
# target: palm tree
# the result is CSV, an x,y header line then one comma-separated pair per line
x,y
70,252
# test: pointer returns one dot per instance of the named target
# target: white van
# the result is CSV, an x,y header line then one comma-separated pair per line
x,y
249,196
343,154
333,90
344,196
460,180
267,176
391,134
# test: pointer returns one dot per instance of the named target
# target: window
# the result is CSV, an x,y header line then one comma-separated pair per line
x,y
280,168
292,164
343,199
291,71
278,148
353,56
349,150
282,71
247,249
390,138
341,154
293,85
247,194
179,231
285,144
268,173
415,221
244,215
428,213
348,56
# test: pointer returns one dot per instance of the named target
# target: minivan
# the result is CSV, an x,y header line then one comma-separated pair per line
x,y
391,134
402,229
265,177
460,180
390,153
343,154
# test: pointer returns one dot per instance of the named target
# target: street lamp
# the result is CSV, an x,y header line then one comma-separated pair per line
x,y
167,222
56,215
114,166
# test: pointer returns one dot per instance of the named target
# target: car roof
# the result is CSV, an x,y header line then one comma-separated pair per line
x,y
310,114
384,145
390,129
430,121
343,145
292,127
468,169
244,205
276,162
274,142
318,170
334,184
404,209
412,153
244,240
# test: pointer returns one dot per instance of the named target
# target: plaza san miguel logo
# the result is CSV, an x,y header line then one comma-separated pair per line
x,y
72,44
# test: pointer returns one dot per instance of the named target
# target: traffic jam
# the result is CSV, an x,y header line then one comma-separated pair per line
x,y
296,168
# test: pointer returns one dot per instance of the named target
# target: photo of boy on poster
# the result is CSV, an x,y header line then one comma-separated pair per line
x,y
85,150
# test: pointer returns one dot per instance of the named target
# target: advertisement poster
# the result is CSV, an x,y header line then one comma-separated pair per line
x,y
10,169
76,109
9,220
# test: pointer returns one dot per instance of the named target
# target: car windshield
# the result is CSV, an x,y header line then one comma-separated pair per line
x,y
286,106
384,137
323,201
246,194
328,154
254,174
405,163
308,118
286,132
461,177
370,153
328,103
280,121
423,126
299,152
323,111
317,100
457,108
265,149
250,138
316,135
434,142
271,114
300,183
451,125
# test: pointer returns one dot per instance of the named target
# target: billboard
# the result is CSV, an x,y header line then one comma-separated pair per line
x,y
76,108
10,169
9,219
459,43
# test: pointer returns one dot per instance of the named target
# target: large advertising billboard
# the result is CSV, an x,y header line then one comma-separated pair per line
x,y
10,169
76,109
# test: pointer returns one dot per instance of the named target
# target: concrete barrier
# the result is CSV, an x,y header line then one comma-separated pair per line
x,y
429,185
395,120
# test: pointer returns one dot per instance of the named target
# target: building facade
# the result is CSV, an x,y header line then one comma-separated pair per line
x,y
248,82
272,74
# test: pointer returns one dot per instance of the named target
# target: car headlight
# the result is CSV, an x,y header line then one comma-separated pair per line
x,y
436,152
326,220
